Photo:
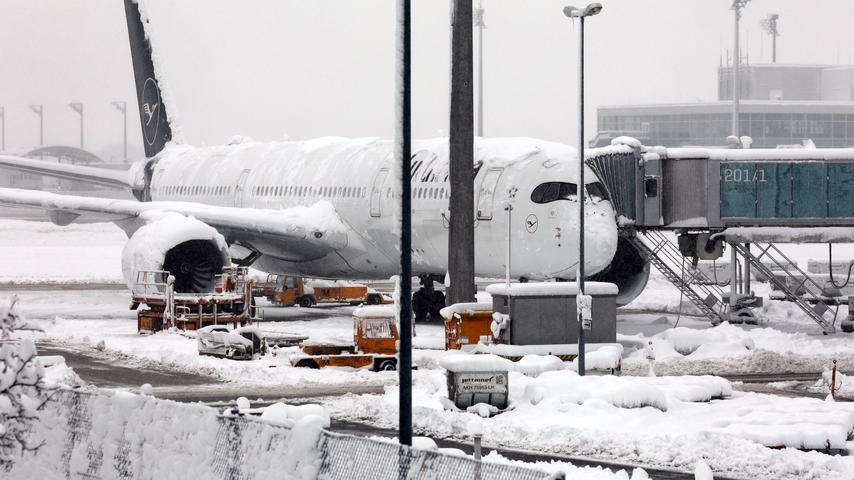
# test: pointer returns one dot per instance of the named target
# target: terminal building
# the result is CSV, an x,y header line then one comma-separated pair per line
x,y
780,105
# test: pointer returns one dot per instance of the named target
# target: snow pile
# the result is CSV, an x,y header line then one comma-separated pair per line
x,y
374,311
803,423
730,349
664,421
476,363
139,436
533,365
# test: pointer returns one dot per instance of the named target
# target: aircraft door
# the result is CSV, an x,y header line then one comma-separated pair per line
x,y
486,194
376,192
240,187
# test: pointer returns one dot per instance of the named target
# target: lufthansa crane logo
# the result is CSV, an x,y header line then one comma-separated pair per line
x,y
531,223
150,113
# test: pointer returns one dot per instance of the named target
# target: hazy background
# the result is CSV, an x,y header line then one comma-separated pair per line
x,y
275,69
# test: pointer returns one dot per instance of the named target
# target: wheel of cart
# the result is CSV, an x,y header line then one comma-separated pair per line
x,y
385,364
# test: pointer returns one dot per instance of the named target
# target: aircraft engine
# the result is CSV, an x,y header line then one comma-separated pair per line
x,y
191,250
628,270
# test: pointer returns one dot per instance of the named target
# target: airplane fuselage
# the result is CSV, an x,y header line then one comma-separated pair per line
x,y
357,176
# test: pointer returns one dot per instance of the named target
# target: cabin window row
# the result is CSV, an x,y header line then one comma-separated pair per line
x,y
196,190
304,191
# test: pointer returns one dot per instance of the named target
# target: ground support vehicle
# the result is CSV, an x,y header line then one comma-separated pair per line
x,y
374,346
284,290
466,324
239,344
158,306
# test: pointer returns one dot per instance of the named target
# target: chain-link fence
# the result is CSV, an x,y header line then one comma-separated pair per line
x,y
345,457
108,435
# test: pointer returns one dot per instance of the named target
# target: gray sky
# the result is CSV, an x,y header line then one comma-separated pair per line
x,y
308,68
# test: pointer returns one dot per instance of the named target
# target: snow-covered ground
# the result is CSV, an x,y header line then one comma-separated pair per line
x,y
550,413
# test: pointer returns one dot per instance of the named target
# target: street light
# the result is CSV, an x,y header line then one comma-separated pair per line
x,y
122,107
78,107
39,110
581,14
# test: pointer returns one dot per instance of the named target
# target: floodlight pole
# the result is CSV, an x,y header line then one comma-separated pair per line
x,y
573,12
78,107
478,22
122,107
39,110
737,6
403,147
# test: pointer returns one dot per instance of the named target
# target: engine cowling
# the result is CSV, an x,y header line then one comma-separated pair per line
x,y
628,270
190,250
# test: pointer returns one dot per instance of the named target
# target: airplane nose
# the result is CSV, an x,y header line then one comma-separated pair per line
x,y
600,238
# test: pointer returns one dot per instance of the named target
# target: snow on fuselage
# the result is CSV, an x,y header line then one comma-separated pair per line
x,y
357,176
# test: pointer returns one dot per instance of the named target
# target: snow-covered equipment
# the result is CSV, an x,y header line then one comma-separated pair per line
x,y
375,343
240,344
467,324
285,290
478,379
160,305
545,313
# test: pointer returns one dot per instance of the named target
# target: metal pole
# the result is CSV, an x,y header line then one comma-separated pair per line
x,y
579,279
39,110
122,107
81,126
2,129
733,278
402,150
735,71
746,279
480,25
774,47
509,239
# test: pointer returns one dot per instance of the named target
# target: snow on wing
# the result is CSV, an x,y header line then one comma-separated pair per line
x,y
312,230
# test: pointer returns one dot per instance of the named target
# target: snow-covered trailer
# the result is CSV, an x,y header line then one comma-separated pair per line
x,y
159,306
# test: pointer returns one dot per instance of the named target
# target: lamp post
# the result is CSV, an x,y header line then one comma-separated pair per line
x,y
39,110
581,14
478,22
78,107
122,107
737,6
769,24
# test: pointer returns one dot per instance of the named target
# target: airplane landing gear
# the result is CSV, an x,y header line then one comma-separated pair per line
x,y
426,302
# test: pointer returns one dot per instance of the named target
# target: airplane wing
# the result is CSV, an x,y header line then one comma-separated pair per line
x,y
95,175
307,232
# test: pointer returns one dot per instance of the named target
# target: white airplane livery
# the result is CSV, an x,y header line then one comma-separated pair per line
x,y
326,207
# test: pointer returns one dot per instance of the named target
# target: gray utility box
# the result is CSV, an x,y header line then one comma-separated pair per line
x,y
470,388
545,313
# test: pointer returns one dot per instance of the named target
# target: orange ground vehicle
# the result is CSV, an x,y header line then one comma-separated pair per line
x,y
466,323
375,339
284,290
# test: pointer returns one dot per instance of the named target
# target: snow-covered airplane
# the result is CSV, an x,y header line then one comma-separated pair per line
x,y
325,207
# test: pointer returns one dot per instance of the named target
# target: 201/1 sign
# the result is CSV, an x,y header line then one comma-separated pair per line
x,y
738,175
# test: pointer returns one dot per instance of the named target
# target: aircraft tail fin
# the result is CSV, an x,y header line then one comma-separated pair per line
x,y
156,129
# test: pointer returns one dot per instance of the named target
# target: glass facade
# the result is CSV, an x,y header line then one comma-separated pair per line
x,y
711,129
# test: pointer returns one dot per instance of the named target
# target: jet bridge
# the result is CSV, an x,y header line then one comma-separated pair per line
x,y
744,197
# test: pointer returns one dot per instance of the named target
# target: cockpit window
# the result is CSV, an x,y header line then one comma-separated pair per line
x,y
552,191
